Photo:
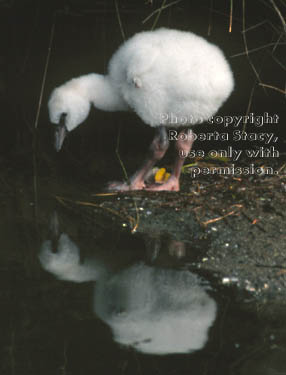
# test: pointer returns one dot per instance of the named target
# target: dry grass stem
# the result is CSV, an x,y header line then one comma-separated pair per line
x,y
119,20
35,182
273,88
239,206
249,105
230,16
279,14
104,194
278,61
64,201
245,42
257,49
277,42
119,157
159,14
160,9
210,17
45,71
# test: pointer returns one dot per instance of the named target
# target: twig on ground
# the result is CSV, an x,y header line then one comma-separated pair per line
x,y
233,212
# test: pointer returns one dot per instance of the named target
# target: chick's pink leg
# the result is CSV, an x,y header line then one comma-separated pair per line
x,y
183,147
157,150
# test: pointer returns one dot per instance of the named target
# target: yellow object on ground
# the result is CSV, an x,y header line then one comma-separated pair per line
x,y
161,175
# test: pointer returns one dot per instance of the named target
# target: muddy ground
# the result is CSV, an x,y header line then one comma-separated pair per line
x,y
236,224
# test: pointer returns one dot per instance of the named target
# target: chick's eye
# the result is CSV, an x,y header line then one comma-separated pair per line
x,y
137,82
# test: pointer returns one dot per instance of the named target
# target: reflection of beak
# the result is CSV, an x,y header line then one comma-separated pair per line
x,y
60,133
55,231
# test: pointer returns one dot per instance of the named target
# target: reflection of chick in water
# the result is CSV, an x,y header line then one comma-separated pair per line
x,y
154,310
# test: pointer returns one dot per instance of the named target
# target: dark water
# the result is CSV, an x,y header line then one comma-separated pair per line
x,y
91,298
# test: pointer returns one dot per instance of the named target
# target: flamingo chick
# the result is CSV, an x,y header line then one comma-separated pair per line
x,y
170,78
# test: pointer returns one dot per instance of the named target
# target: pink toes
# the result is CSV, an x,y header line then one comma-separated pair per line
x,y
123,186
171,185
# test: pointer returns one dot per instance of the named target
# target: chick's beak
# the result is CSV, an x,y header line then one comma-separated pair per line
x,y
60,133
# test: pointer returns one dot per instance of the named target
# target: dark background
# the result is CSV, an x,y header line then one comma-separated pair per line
x,y
86,33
